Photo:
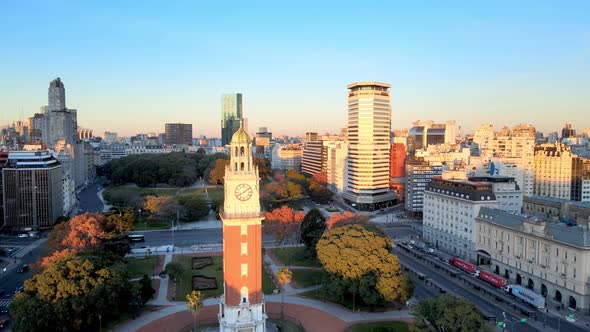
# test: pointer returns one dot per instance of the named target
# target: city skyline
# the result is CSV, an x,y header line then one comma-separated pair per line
x,y
172,63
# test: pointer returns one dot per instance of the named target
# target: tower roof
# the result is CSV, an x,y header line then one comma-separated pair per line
x,y
241,137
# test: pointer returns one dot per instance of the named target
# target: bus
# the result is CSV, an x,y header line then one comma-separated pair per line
x,y
136,237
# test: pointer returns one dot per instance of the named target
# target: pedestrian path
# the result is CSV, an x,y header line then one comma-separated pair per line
x,y
162,298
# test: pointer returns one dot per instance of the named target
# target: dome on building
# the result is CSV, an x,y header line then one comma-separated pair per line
x,y
241,137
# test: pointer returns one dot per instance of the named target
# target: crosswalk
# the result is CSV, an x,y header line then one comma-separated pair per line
x,y
4,303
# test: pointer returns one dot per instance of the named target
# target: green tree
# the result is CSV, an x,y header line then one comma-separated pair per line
x,y
147,290
194,302
264,171
447,313
174,270
119,221
284,277
218,172
356,254
312,228
195,207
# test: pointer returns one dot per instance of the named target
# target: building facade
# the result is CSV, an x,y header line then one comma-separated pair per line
x,y
287,157
179,134
369,126
231,116
312,160
419,173
549,258
32,190
558,172
241,306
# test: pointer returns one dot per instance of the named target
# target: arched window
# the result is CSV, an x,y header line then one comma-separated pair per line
x,y
235,167
241,166
236,153
572,304
543,290
242,151
558,296
531,284
519,279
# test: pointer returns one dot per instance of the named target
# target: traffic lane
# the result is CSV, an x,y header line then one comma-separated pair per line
x,y
489,308
8,241
400,232
89,201
12,279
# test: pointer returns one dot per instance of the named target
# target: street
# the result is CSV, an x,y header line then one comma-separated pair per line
x,y
89,201
186,238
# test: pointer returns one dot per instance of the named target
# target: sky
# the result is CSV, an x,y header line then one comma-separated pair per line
x,y
131,66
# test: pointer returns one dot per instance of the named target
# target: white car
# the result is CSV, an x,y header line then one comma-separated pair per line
x,y
22,235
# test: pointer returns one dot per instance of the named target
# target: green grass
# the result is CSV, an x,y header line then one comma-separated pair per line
x,y
307,278
216,270
215,193
138,266
296,256
320,294
185,285
391,326
142,225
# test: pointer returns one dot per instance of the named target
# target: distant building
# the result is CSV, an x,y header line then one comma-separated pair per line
x,y
312,157
287,157
426,133
36,123
547,257
311,137
556,209
32,189
558,172
3,160
179,134
369,125
419,174
85,134
483,135
568,131
397,169
109,137
60,122
336,162
231,116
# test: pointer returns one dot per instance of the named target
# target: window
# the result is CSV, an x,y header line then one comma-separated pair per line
x,y
243,229
244,248
244,270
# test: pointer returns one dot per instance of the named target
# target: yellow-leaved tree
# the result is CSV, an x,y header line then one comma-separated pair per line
x,y
360,262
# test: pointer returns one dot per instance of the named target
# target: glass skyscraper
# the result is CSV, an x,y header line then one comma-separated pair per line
x,y
231,115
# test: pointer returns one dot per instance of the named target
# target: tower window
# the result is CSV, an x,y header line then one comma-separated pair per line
x,y
243,229
235,167
241,166
236,153
244,248
244,270
242,151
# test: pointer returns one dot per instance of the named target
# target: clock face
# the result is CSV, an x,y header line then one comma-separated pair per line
x,y
243,192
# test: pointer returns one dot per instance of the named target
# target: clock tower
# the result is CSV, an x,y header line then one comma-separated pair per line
x,y
242,305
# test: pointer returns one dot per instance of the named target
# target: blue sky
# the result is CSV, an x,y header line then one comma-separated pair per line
x,y
131,66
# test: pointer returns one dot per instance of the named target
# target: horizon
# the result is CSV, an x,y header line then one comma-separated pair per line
x,y
168,63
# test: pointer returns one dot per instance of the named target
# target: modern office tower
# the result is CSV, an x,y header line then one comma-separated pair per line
x,y
3,160
179,134
32,187
311,162
336,162
397,169
419,173
369,125
286,157
547,257
231,116
60,122
483,135
449,208
425,133
85,134
241,307
558,172
568,131
262,142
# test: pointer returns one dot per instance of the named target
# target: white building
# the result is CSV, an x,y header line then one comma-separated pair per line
x,y
336,164
483,135
286,157
558,172
369,125
549,258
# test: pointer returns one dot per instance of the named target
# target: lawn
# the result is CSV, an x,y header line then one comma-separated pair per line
x,y
216,270
127,194
141,224
296,256
321,295
138,266
391,326
214,193
307,278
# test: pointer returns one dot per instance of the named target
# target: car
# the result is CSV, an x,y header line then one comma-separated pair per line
x,y
23,269
23,235
19,289
571,318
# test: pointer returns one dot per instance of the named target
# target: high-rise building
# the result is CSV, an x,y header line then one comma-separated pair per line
x,y
60,122
426,133
311,136
231,116
32,187
241,307
558,172
179,134
311,162
483,135
397,169
36,123
336,163
568,131
369,126
3,160
419,173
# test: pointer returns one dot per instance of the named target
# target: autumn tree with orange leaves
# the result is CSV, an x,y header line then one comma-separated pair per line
x,y
345,218
283,223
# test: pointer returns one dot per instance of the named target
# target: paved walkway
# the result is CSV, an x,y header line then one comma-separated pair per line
x,y
314,315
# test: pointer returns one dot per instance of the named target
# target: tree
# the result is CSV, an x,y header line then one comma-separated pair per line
x,y
449,314
345,218
85,232
120,222
218,172
194,302
312,228
195,207
160,207
263,166
173,270
283,223
356,254
147,290
284,277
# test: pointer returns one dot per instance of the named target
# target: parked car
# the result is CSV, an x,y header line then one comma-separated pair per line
x,y
19,289
23,268
23,235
